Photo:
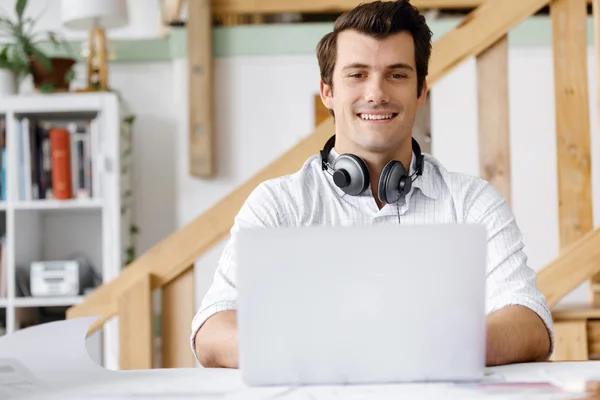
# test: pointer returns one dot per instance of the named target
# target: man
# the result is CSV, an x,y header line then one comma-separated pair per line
x,y
373,68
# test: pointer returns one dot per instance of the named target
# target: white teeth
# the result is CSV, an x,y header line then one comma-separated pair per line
x,y
376,117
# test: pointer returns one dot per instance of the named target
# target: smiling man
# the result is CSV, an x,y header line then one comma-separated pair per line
x,y
373,80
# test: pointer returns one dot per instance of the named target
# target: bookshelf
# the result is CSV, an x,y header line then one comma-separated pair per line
x,y
56,208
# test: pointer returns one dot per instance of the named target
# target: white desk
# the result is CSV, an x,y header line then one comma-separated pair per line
x,y
226,384
50,361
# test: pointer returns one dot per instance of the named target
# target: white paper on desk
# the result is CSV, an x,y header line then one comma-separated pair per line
x,y
178,383
559,373
49,357
50,361
16,380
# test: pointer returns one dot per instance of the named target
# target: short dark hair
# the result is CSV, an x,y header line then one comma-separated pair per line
x,y
379,19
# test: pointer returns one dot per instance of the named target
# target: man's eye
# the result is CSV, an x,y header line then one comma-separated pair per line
x,y
356,75
398,76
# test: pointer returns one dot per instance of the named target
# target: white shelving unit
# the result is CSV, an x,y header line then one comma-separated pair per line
x,y
51,229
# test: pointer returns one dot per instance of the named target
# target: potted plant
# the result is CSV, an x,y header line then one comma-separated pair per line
x,y
24,52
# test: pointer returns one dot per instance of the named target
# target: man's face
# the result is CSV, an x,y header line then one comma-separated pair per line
x,y
374,94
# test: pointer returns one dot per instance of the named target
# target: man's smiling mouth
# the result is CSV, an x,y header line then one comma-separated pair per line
x,y
376,117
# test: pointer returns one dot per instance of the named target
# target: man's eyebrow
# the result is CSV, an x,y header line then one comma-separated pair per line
x,y
355,65
393,66
401,66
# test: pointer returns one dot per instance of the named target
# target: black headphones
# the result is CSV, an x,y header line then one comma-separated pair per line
x,y
351,174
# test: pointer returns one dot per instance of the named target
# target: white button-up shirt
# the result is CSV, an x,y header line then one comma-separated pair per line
x,y
309,197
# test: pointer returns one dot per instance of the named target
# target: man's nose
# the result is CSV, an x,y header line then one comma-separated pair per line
x,y
376,92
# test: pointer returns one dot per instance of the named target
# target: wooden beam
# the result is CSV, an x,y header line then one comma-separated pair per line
x,y
576,264
136,333
595,287
176,315
494,122
572,119
174,254
199,44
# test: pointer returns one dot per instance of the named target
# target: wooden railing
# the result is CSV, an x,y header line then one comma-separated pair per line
x,y
483,34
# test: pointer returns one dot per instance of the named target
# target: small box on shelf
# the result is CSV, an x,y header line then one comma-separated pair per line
x,y
51,245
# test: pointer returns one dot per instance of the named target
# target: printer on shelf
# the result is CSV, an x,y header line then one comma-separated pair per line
x,y
61,277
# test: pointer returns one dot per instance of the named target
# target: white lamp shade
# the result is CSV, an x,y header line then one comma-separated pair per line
x,y
85,14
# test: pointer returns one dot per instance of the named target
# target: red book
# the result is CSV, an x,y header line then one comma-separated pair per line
x,y
60,156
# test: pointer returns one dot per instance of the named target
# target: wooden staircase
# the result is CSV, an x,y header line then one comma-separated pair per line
x,y
482,34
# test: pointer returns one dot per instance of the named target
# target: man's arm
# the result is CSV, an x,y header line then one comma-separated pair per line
x,y
217,341
519,322
516,334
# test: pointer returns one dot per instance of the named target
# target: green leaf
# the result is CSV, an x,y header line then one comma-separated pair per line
x,y
20,7
134,229
47,87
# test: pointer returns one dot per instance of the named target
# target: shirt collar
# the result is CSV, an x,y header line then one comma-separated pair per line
x,y
426,183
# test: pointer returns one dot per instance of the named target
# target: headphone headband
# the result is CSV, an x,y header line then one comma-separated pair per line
x,y
325,152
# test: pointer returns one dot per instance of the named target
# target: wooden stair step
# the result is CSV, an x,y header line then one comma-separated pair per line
x,y
572,322
575,312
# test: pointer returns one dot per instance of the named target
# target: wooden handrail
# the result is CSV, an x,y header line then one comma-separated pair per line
x,y
176,253
559,278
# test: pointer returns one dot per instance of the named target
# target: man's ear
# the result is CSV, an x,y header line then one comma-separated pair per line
x,y
326,94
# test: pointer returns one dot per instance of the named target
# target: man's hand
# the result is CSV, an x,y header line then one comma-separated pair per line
x,y
516,334
217,341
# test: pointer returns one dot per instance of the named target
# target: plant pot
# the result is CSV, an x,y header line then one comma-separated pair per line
x,y
56,78
8,83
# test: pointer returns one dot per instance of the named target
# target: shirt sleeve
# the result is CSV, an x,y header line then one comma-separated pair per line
x,y
510,281
259,210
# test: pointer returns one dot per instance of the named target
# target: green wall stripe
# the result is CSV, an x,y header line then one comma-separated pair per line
x,y
291,39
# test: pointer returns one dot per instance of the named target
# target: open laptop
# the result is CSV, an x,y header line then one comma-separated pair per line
x,y
362,304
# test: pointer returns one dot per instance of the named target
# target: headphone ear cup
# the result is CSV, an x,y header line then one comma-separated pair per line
x,y
355,172
393,182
